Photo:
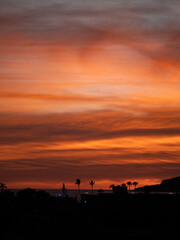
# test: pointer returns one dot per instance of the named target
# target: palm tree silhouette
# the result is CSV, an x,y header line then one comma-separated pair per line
x,y
78,182
92,184
2,187
135,184
123,185
129,185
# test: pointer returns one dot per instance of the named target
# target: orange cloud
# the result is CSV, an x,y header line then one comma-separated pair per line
x,y
89,91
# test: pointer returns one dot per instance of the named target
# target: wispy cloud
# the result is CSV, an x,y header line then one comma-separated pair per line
x,y
89,88
88,126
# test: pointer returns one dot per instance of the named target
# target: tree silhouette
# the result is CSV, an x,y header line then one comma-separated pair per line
x,y
2,187
112,187
129,184
135,184
123,185
78,182
92,184
26,194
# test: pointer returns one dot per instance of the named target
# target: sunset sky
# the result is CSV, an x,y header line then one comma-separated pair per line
x,y
89,90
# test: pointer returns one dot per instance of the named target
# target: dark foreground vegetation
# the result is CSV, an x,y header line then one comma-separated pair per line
x,y
37,215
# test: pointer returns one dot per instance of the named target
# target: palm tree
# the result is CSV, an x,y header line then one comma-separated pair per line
x,y
2,187
135,184
78,182
123,185
129,185
92,184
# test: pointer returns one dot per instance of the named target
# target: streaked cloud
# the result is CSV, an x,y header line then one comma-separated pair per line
x,y
89,89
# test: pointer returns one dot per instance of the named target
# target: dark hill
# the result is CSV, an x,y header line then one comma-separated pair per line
x,y
167,185
173,182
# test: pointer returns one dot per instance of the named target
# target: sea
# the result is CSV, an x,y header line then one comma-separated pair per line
x,y
69,192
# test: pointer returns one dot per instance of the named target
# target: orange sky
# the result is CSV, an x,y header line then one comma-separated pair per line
x,y
89,89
